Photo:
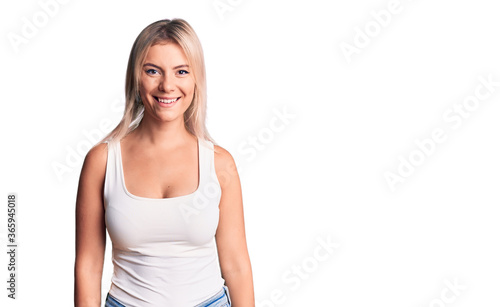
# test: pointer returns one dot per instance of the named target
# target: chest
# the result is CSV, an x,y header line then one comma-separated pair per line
x,y
154,176
155,204
161,226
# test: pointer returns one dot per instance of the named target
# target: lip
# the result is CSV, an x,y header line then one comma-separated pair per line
x,y
166,105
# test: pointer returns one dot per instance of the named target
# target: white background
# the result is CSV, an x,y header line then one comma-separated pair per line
x,y
320,177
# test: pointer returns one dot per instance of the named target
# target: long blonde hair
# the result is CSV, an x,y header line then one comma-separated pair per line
x,y
176,31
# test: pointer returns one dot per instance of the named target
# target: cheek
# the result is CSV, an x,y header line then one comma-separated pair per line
x,y
147,84
187,87
145,89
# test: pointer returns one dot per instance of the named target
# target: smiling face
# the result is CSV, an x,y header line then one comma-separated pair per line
x,y
166,83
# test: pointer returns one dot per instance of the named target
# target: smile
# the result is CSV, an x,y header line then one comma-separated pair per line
x,y
167,101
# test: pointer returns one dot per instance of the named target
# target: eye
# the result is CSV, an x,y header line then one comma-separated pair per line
x,y
183,72
152,71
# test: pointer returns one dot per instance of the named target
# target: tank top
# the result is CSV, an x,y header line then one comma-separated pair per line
x,y
163,250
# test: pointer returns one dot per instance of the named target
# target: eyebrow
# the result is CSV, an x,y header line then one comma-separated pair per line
x,y
181,66
176,67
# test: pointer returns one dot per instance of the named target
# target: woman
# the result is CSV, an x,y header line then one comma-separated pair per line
x,y
162,190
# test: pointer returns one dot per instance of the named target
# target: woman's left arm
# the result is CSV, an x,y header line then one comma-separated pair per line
x,y
230,236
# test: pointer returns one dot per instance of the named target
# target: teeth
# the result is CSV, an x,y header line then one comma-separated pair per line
x,y
167,100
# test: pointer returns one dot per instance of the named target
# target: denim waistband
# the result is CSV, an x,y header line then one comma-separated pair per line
x,y
220,299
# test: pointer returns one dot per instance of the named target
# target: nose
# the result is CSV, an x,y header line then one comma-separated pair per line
x,y
166,84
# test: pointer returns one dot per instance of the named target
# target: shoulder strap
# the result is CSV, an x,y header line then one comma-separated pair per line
x,y
110,179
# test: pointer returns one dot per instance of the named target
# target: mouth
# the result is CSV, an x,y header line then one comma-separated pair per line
x,y
166,101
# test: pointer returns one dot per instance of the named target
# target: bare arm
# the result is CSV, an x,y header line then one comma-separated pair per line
x,y
90,229
230,236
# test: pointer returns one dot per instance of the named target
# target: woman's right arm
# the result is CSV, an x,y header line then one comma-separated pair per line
x,y
90,229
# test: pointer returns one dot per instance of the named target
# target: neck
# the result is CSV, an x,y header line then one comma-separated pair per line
x,y
158,133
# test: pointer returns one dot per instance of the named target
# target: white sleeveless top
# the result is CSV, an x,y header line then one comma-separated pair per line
x,y
164,252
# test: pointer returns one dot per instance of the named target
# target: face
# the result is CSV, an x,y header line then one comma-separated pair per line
x,y
166,83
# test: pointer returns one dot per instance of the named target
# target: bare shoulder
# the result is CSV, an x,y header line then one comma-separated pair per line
x,y
95,161
222,156
225,166
98,155
223,159
90,187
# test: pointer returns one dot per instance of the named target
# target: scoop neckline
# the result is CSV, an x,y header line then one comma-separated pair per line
x,y
158,199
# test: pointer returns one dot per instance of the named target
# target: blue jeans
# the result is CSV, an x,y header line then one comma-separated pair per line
x,y
221,299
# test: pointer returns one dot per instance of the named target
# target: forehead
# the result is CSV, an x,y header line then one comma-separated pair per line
x,y
166,54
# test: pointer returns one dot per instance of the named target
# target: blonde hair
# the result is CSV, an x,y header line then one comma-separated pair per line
x,y
176,31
